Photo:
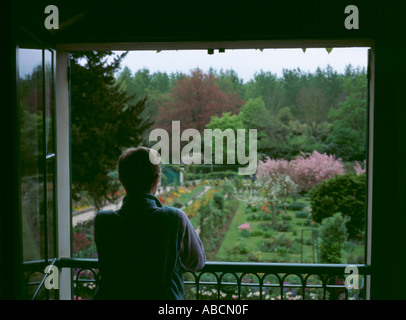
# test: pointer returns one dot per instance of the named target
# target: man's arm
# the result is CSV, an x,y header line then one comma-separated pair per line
x,y
192,255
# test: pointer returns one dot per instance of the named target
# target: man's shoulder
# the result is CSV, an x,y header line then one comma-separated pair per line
x,y
167,210
104,215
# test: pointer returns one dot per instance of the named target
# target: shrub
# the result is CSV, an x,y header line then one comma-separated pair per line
x,y
253,217
254,233
282,227
345,194
281,251
295,206
254,256
267,234
286,217
333,235
218,199
265,226
239,248
244,233
302,214
281,245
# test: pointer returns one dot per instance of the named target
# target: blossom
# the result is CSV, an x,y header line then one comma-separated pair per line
x,y
306,170
358,168
81,241
244,226
265,209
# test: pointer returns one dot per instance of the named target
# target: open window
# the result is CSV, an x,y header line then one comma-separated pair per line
x,y
37,167
266,216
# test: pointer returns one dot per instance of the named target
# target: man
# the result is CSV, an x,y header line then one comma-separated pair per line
x,y
144,247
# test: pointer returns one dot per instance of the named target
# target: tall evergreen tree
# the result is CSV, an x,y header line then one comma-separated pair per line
x,y
103,122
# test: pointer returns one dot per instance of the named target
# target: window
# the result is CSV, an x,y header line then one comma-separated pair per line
x,y
272,214
37,159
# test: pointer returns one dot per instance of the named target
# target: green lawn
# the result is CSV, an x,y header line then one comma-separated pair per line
x,y
264,243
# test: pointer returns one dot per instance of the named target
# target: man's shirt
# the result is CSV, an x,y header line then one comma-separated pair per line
x,y
143,249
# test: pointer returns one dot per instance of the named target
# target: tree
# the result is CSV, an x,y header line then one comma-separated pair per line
x,y
266,86
227,121
312,105
255,115
292,81
348,137
193,100
229,81
333,235
103,122
311,169
306,170
143,85
284,116
343,193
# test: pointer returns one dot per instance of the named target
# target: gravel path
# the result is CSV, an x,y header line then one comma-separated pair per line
x,y
85,216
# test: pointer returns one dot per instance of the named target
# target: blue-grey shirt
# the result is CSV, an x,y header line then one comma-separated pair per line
x,y
143,248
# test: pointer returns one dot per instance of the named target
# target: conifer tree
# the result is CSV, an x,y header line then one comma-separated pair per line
x,y
103,123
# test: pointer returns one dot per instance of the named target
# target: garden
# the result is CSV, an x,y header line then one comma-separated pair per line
x,y
308,210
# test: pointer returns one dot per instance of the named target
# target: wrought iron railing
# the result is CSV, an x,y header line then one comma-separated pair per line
x,y
236,281
35,277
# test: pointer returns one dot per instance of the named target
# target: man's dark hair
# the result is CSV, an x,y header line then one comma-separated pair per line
x,y
136,171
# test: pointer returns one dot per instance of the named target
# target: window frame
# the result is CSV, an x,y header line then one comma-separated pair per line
x,y
63,85
35,266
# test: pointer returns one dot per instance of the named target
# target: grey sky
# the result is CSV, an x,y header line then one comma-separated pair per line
x,y
246,61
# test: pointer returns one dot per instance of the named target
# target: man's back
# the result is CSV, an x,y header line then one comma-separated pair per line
x,y
139,249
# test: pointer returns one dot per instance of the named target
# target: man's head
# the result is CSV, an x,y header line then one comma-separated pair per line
x,y
136,172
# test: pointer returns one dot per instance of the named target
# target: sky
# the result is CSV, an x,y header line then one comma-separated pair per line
x,y
246,62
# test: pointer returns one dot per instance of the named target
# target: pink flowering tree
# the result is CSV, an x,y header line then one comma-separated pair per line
x,y
311,169
273,166
359,169
306,170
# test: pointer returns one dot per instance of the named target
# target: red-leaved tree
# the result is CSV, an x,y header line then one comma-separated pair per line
x,y
193,100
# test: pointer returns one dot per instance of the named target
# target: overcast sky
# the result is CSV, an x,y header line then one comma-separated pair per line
x,y
246,61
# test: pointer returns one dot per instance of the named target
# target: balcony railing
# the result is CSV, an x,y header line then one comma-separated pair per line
x,y
237,281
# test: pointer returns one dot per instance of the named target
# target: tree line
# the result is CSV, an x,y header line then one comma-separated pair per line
x,y
299,111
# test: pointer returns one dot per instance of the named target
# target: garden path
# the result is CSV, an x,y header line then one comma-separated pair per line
x,y
90,214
